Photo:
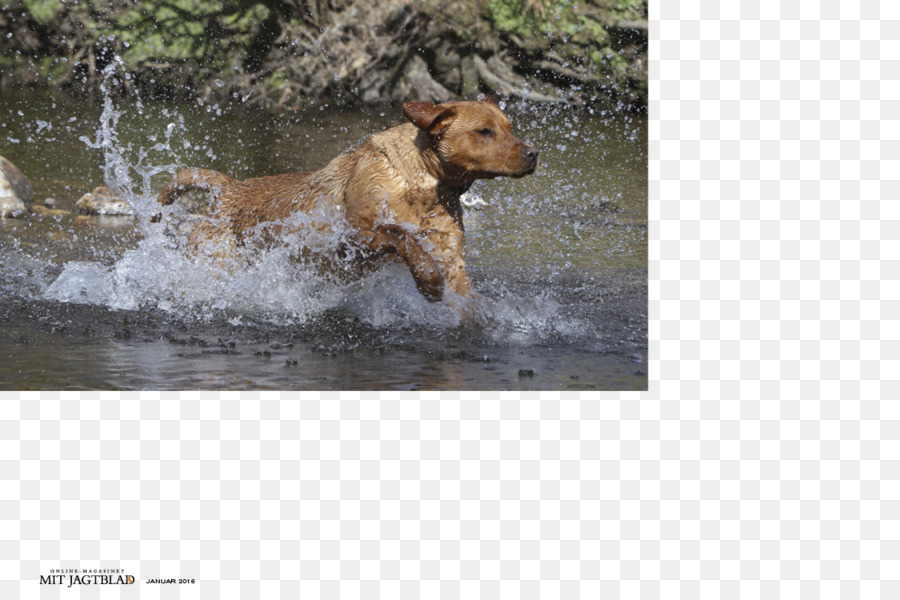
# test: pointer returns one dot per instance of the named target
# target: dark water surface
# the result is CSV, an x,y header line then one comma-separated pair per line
x,y
105,302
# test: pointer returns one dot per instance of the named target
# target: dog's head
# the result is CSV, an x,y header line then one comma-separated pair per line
x,y
472,140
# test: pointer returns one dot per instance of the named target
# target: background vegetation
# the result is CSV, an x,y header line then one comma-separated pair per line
x,y
295,52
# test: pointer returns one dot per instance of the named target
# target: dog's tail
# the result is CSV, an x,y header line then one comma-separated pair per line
x,y
193,179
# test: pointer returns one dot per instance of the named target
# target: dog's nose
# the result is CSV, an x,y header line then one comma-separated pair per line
x,y
530,153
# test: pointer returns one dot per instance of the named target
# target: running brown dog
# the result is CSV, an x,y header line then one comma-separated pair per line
x,y
399,190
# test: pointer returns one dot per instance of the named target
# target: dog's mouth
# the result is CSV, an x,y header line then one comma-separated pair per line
x,y
522,172
527,171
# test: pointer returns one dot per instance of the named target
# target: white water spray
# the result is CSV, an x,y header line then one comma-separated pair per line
x,y
271,285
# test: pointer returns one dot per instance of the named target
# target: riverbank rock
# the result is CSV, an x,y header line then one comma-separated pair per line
x,y
10,206
48,208
43,210
103,201
15,190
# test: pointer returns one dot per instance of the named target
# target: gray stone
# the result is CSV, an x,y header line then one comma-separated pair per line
x,y
103,201
14,190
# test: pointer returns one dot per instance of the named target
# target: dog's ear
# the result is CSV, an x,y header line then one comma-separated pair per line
x,y
491,99
428,116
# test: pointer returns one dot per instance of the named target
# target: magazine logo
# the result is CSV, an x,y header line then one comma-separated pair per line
x,y
70,577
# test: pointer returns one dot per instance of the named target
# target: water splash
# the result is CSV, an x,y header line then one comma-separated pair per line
x,y
127,170
273,286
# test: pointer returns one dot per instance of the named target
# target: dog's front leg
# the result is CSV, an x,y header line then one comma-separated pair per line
x,y
213,242
445,239
425,270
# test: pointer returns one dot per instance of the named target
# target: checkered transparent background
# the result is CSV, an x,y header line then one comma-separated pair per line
x,y
762,463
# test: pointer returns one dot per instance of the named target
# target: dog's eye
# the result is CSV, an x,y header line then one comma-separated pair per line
x,y
487,132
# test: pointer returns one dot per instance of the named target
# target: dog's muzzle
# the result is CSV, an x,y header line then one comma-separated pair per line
x,y
529,157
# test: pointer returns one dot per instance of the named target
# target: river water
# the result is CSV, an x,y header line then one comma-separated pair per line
x,y
107,303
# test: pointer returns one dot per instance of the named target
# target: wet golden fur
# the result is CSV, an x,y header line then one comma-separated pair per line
x,y
399,190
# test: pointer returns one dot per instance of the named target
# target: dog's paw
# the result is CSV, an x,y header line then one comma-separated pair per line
x,y
431,286
472,308
427,273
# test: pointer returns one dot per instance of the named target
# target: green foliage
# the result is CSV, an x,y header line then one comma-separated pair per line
x,y
42,10
510,16
628,9
260,45
530,19
186,30
277,78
